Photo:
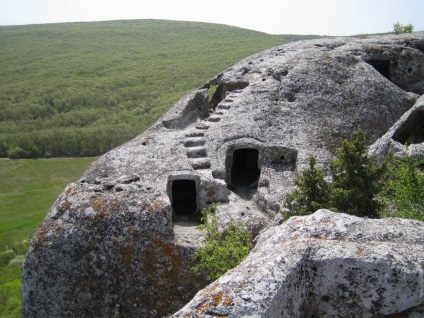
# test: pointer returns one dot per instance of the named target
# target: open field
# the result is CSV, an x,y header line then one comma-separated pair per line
x,y
27,190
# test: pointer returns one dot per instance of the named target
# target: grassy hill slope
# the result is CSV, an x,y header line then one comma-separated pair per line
x,y
27,190
80,89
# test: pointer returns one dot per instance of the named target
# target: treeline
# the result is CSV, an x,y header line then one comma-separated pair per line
x,y
70,142
80,89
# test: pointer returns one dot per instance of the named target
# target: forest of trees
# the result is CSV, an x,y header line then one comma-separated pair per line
x,y
80,89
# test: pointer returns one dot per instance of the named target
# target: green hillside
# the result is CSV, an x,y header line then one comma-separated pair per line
x,y
80,89
27,190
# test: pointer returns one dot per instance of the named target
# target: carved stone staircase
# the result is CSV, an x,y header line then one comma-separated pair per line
x,y
194,139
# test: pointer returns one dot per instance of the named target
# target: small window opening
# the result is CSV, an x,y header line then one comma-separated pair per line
x,y
412,130
382,66
184,198
244,169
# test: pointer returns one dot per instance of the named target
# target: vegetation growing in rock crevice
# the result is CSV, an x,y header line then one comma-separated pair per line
x,y
312,191
403,191
361,187
399,28
223,250
356,178
356,182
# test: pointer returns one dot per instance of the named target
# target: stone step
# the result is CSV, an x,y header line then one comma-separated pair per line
x,y
197,152
201,163
203,126
221,106
214,118
194,142
195,134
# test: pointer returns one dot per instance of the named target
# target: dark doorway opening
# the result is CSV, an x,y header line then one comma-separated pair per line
x,y
412,131
244,170
184,198
382,66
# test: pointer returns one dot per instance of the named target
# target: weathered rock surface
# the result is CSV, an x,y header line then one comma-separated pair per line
x,y
324,265
405,137
120,241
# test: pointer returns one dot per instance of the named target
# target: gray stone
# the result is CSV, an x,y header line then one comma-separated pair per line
x,y
323,265
120,242
405,137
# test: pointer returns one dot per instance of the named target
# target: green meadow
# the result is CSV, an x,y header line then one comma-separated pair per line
x,y
28,188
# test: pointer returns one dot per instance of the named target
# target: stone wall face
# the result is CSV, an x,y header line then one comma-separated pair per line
x,y
112,245
323,265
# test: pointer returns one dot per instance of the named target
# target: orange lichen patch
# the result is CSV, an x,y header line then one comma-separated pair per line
x,y
105,207
68,190
127,255
99,204
155,206
64,205
228,301
215,299
360,251
210,192
41,237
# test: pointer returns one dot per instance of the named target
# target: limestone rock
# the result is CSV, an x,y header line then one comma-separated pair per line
x,y
405,137
323,265
120,241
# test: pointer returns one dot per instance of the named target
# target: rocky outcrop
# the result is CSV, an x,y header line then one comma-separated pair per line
x,y
405,137
120,241
324,265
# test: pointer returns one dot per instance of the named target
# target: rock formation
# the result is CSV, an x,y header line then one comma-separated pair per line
x,y
405,137
120,241
323,265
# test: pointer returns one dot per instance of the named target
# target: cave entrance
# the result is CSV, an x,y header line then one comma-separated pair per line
x,y
412,130
382,66
245,169
184,198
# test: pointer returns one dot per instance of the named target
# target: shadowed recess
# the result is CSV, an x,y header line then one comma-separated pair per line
x,y
382,66
244,170
412,130
184,197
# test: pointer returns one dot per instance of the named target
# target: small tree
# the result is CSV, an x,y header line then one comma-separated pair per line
x,y
356,178
403,191
312,191
399,28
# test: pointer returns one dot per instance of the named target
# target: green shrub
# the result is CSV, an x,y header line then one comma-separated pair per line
x,y
356,182
223,250
356,178
403,191
10,291
312,192
6,257
399,28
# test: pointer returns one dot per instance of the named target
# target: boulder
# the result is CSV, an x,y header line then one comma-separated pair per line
x,y
120,241
405,137
323,265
